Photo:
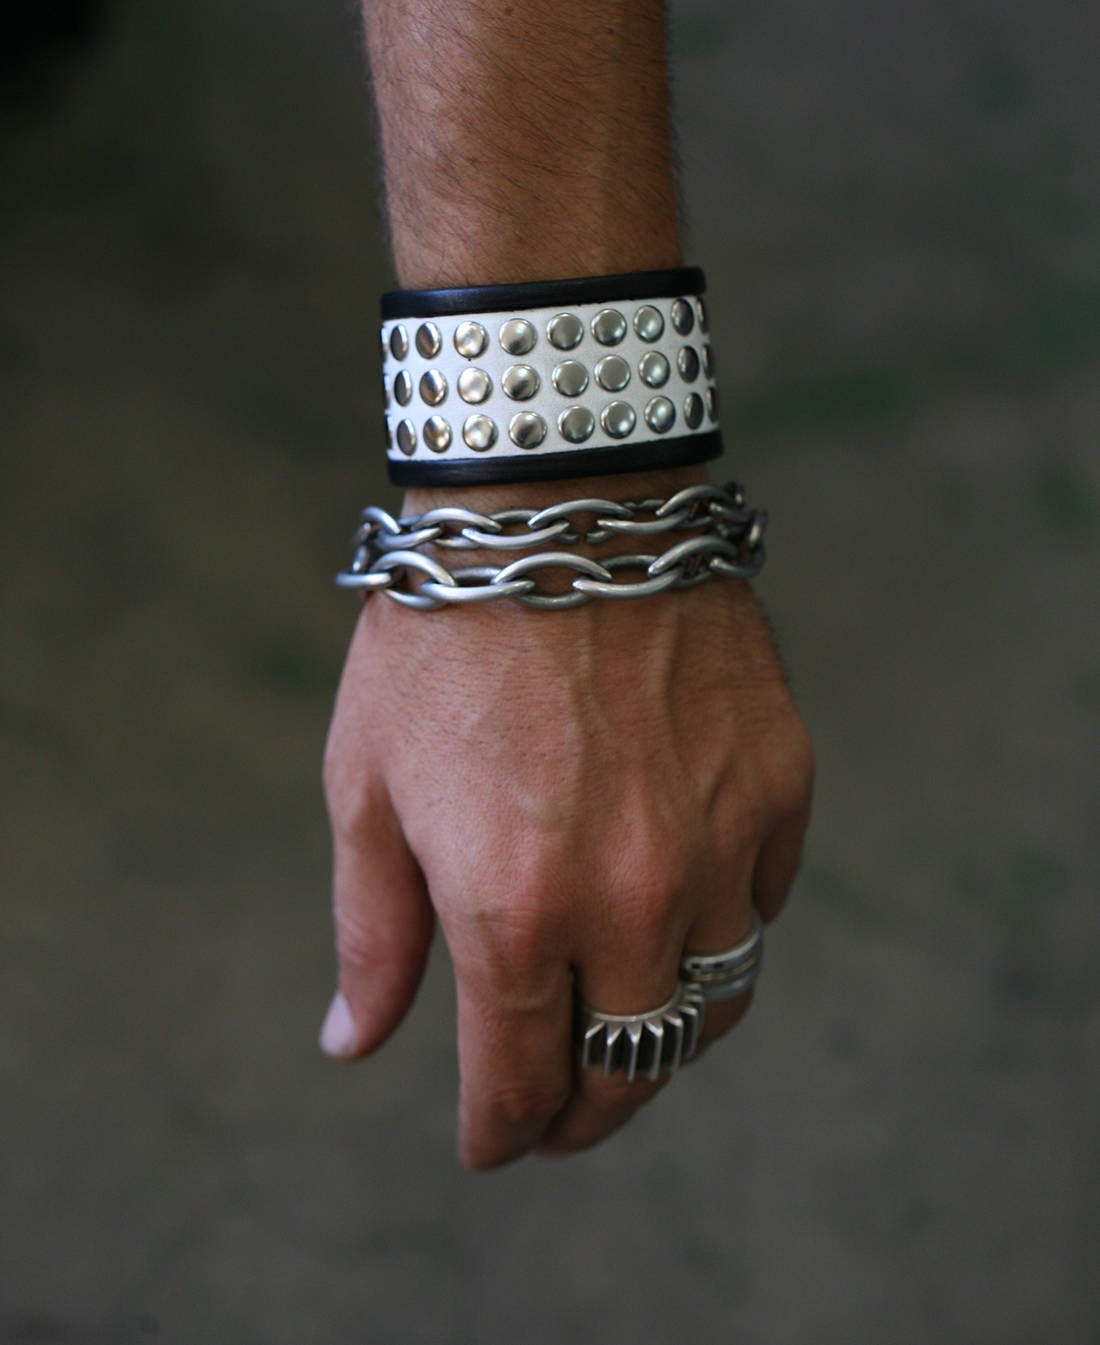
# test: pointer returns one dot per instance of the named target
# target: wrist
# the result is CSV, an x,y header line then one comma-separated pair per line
x,y
567,377
549,557
488,499
537,494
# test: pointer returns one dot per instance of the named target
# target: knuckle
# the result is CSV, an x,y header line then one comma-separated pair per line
x,y
524,1102
355,813
515,919
509,931
654,882
788,768
661,858
354,794
653,929
653,924
356,946
510,962
649,891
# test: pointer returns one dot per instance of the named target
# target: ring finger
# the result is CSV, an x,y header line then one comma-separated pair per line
x,y
628,979
723,923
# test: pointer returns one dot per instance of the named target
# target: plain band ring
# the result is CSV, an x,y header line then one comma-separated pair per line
x,y
642,1043
730,973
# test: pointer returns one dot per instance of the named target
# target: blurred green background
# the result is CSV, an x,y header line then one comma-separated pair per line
x,y
897,207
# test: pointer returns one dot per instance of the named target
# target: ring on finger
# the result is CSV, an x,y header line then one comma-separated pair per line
x,y
642,1043
726,975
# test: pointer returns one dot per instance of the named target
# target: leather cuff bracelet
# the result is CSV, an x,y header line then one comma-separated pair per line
x,y
551,379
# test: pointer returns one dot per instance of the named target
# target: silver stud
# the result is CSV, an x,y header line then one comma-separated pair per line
x,y
520,382
399,342
480,433
708,361
433,387
618,419
428,340
660,414
609,326
403,388
613,373
570,378
648,322
565,331
437,434
576,424
712,403
653,369
701,314
687,361
474,385
683,316
693,410
526,430
517,336
471,338
406,438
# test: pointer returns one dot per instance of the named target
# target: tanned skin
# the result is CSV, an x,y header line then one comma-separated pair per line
x,y
575,796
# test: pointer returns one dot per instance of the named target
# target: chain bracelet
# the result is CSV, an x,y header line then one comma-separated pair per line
x,y
729,541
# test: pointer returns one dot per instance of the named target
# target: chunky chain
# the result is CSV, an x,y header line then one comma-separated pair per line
x,y
729,540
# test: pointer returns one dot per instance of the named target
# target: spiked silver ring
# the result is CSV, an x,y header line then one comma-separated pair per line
x,y
730,973
642,1043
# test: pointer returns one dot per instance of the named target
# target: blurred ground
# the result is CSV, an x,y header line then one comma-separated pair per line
x,y
897,208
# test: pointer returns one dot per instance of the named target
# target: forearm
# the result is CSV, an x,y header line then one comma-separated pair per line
x,y
538,781
525,142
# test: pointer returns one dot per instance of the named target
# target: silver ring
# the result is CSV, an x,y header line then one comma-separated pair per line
x,y
642,1043
728,974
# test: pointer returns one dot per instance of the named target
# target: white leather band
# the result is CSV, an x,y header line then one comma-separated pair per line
x,y
514,385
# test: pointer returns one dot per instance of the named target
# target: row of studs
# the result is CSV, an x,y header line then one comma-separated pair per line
x,y
570,378
575,424
518,336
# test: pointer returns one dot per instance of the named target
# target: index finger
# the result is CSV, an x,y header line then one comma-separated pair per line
x,y
515,1006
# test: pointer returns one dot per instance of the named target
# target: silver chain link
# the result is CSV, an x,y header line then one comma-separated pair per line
x,y
388,559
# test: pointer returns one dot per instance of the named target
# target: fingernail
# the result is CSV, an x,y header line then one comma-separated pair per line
x,y
338,1030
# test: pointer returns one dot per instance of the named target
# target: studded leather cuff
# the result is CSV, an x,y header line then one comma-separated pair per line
x,y
546,380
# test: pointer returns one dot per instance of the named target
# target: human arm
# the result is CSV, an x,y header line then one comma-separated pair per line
x,y
576,795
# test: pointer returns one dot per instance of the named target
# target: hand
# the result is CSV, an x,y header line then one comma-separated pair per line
x,y
579,794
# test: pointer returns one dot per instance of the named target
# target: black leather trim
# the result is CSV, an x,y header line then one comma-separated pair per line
x,y
655,453
543,294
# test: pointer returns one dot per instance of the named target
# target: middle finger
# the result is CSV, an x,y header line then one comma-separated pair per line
x,y
634,976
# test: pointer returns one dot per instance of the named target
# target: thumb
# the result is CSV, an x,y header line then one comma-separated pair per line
x,y
383,925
